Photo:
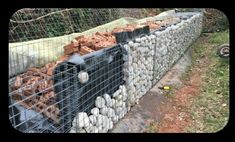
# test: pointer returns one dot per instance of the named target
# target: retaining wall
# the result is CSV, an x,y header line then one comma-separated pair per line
x,y
148,58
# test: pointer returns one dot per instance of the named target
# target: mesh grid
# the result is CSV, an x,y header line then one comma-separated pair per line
x,y
45,91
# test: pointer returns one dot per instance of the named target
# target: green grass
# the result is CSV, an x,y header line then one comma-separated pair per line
x,y
210,110
220,37
152,127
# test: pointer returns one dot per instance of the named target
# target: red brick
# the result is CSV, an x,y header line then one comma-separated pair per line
x,y
85,49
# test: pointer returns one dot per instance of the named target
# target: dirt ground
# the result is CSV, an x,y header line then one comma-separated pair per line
x,y
178,118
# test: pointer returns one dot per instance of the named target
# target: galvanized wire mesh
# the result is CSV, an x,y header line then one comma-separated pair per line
x,y
44,91
30,24
53,108
34,23
50,88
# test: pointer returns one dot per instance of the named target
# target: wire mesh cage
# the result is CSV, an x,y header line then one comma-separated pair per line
x,y
64,64
45,92
65,95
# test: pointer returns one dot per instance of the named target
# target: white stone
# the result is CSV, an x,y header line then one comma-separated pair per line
x,y
100,129
81,120
104,111
143,38
124,98
110,124
115,119
125,57
72,131
113,102
95,129
83,77
110,112
100,102
127,47
105,130
123,105
89,128
131,69
119,91
92,119
118,110
128,108
163,51
107,100
115,94
149,38
95,111
131,43
105,121
119,97
138,40
100,119
136,45
119,103
153,36
121,115
110,103
142,44
130,60
125,110
82,131
132,100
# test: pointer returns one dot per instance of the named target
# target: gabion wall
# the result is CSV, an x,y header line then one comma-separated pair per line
x,y
173,42
148,59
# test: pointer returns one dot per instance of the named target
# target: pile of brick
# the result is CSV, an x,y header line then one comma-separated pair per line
x,y
37,90
129,27
153,25
87,44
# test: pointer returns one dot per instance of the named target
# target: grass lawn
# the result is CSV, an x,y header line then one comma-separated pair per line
x,y
210,109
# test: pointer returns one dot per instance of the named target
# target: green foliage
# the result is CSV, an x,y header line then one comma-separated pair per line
x,y
57,24
214,21
220,38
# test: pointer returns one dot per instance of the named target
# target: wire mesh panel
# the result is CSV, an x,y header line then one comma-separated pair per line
x,y
58,65
27,24
41,96
33,106
37,36
53,108
34,23
105,76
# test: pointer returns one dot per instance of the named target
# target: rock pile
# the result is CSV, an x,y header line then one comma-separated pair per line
x,y
107,111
